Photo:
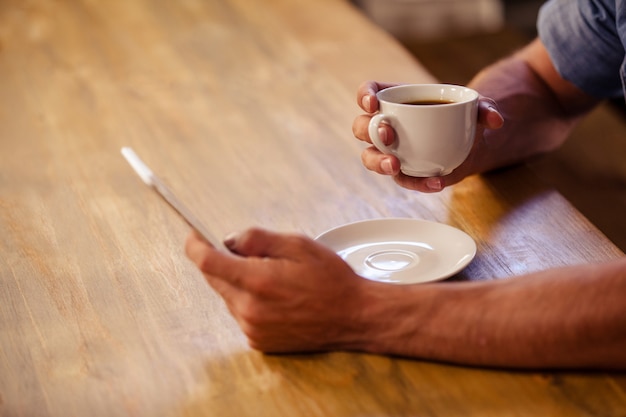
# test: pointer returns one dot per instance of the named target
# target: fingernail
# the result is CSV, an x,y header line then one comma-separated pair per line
x,y
231,239
435,184
499,119
386,167
366,102
384,137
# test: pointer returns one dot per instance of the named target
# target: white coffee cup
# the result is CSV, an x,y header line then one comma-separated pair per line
x,y
430,139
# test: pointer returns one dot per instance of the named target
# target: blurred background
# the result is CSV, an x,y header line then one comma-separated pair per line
x,y
590,169
435,19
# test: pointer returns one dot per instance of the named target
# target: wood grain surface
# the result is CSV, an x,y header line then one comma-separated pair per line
x,y
244,108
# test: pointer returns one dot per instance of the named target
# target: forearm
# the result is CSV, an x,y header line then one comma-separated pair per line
x,y
539,108
560,318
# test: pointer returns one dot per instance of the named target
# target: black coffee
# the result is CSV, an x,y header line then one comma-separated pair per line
x,y
428,102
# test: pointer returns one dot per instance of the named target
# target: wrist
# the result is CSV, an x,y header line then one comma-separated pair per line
x,y
391,319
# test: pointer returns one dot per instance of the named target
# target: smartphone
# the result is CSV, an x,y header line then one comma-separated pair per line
x,y
166,194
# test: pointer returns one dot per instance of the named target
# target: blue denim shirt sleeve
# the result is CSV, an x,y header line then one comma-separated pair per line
x,y
584,43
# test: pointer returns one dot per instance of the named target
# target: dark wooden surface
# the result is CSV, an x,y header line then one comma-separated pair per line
x,y
245,109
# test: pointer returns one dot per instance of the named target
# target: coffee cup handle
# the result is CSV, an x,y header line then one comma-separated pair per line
x,y
375,122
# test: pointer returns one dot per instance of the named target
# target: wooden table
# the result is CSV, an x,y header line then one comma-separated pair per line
x,y
245,109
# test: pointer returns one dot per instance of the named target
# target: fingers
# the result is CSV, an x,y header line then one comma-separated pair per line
x,y
252,243
381,163
215,264
262,253
366,95
360,128
366,99
256,242
258,249
488,114
422,184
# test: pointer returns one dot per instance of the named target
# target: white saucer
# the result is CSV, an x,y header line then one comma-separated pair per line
x,y
401,251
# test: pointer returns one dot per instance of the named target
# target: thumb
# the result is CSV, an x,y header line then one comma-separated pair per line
x,y
263,243
489,115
